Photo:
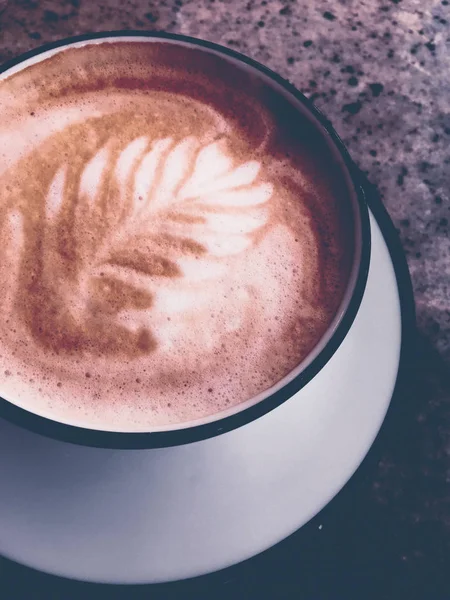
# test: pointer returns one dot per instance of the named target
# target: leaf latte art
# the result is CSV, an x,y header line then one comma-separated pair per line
x,y
164,257
118,229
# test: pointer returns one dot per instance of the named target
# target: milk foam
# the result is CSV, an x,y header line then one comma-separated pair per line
x,y
159,263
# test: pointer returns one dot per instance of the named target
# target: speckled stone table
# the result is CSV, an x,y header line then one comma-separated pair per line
x,y
380,70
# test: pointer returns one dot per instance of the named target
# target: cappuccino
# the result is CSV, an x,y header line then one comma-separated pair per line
x,y
176,236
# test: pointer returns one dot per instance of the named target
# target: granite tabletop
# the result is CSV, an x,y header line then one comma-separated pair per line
x,y
380,71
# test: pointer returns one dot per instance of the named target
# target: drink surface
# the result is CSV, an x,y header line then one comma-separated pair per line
x,y
176,236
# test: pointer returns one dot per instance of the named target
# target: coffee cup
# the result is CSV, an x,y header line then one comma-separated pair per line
x,y
185,240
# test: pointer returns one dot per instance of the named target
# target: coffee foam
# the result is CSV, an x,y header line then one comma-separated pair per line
x,y
174,236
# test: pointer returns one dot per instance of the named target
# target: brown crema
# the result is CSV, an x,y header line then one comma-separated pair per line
x,y
176,236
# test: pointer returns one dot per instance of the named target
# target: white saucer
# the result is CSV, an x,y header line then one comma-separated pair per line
x,y
142,516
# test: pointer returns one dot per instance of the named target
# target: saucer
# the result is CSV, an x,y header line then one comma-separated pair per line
x,y
147,516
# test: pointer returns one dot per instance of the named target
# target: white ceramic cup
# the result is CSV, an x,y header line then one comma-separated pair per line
x,y
311,366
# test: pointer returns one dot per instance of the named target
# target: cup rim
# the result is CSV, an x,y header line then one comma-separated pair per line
x,y
197,432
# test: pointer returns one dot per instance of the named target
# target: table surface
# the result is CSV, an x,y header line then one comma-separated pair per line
x,y
380,71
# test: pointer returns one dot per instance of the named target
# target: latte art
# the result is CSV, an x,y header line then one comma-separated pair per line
x,y
125,224
163,258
